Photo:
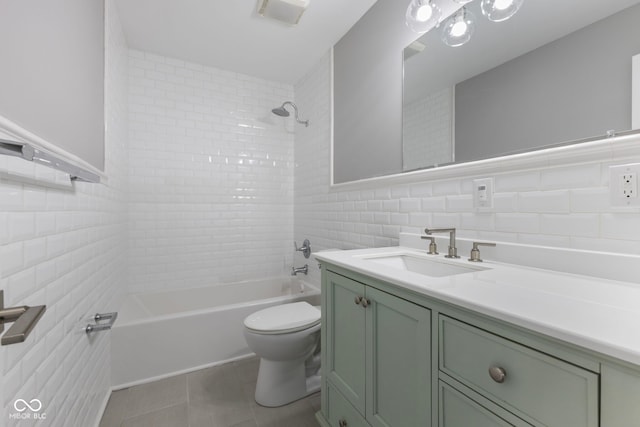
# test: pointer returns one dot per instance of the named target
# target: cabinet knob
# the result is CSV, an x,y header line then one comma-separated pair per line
x,y
497,374
365,302
357,300
342,423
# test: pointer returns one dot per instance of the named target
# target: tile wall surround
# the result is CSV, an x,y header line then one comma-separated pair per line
x,y
211,175
557,206
427,127
66,248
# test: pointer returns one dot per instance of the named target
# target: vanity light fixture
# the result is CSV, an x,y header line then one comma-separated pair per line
x,y
458,28
422,15
500,10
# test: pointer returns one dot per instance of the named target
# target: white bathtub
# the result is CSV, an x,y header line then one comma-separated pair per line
x,y
159,334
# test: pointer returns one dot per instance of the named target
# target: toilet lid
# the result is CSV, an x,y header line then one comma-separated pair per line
x,y
283,318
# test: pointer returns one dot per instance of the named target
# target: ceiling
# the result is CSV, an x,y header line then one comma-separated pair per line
x,y
229,34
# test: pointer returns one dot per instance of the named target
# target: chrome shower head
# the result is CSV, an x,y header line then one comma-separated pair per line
x,y
282,112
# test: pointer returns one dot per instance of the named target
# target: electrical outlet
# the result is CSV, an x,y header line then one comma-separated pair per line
x,y
623,185
629,185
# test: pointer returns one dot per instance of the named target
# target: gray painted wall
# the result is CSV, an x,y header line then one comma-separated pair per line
x,y
540,97
52,81
368,94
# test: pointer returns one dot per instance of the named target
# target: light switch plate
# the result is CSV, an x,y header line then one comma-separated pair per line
x,y
483,194
623,185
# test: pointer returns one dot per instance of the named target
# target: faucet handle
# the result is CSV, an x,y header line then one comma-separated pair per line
x,y
305,248
433,249
475,252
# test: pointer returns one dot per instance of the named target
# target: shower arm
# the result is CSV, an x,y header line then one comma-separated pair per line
x,y
295,110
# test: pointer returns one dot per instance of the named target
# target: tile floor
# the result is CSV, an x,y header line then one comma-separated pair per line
x,y
221,396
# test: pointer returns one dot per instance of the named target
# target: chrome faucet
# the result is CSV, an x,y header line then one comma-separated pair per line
x,y
453,251
296,270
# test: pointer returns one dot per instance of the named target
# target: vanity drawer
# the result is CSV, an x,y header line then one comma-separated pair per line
x,y
536,387
340,412
457,409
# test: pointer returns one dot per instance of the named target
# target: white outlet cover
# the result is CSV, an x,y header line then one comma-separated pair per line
x,y
618,184
483,194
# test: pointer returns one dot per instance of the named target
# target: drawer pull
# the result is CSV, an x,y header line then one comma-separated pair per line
x,y
342,423
497,374
365,302
358,300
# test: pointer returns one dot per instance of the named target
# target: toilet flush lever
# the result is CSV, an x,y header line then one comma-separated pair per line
x,y
24,319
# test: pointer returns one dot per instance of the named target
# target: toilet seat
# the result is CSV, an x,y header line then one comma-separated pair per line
x,y
283,319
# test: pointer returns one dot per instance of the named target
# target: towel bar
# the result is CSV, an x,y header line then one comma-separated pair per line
x,y
24,319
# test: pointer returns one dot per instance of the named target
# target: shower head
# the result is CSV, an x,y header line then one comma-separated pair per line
x,y
282,112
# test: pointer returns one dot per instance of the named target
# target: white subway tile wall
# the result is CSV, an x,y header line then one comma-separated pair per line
x,y
66,248
562,206
427,126
211,175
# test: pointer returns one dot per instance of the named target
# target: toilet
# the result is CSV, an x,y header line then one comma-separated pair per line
x,y
287,339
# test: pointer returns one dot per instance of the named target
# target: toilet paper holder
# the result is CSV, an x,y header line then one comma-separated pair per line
x,y
97,327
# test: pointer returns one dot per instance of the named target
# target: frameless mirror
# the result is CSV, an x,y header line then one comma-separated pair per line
x,y
557,71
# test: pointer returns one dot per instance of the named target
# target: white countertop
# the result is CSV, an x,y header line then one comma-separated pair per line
x,y
595,313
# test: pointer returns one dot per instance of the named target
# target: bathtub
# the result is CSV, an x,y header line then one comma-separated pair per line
x,y
160,334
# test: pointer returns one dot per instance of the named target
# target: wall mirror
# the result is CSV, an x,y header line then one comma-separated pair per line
x,y
555,72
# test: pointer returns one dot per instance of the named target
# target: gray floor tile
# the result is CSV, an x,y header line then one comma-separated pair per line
x,y
221,396
156,395
247,369
216,398
173,416
116,408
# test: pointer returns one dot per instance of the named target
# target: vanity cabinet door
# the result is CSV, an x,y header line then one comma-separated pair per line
x,y
345,346
398,362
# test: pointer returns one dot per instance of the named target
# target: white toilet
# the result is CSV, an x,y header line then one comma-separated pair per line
x,y
287,339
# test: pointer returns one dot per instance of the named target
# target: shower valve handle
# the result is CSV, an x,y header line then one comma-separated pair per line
x,y
305,248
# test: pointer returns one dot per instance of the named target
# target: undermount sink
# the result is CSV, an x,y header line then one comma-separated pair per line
x,y
421,265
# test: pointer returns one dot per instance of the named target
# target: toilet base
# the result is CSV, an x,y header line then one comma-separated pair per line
x,y
280,383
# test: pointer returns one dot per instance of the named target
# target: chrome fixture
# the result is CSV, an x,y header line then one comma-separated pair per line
x,y
296,270
305,248
433,249
475,252
36,155
282,112
497,374
453,251
24,319
422,15
97,327
364,302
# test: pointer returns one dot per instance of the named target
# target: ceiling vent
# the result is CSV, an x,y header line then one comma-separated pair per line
x,y
288,11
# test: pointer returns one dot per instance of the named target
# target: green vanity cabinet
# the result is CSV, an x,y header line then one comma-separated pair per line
x,y
376,358
392,357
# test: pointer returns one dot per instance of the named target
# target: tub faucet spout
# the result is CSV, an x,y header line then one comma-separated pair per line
x,y
296,270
